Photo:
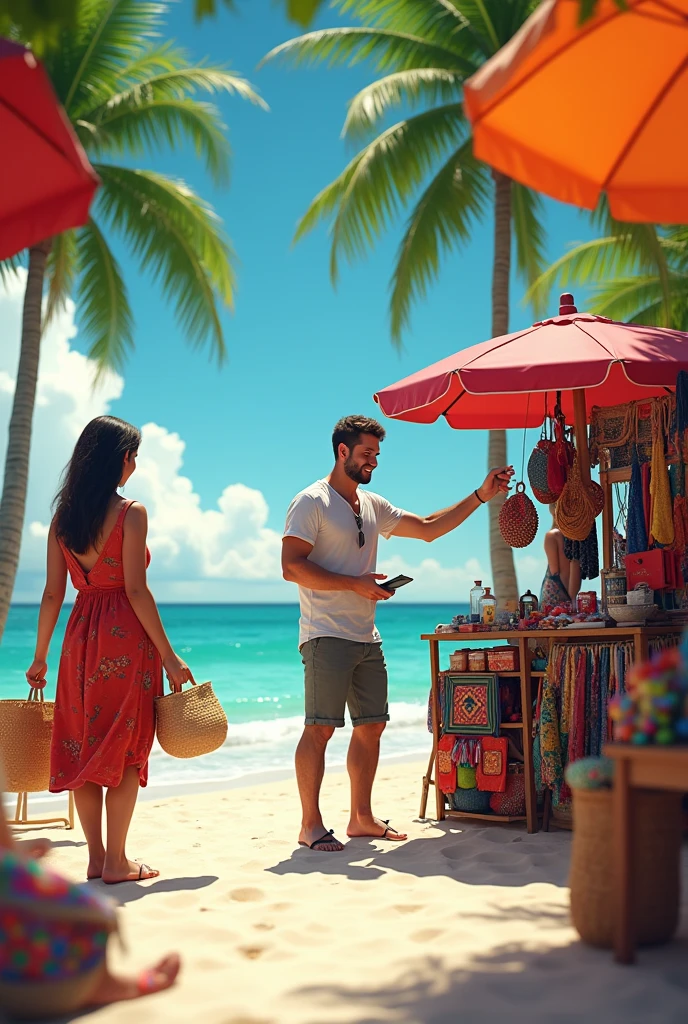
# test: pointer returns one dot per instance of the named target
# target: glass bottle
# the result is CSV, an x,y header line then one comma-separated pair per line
x,y
488,607
476,593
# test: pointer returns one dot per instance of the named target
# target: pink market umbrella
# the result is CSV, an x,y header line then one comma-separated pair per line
x,y
512,381
46,182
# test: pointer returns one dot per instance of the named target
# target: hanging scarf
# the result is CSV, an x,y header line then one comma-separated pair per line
x,y
636,538
662,522
586,552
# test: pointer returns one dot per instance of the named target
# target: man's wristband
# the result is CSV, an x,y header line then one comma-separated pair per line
x,y
481,500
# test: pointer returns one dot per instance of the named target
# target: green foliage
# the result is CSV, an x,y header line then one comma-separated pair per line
x,y
635,273
128,94
421,52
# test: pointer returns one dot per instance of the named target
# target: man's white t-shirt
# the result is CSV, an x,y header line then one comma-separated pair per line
x,y
321,517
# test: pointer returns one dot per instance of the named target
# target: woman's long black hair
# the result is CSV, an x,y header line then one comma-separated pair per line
x,y
90,479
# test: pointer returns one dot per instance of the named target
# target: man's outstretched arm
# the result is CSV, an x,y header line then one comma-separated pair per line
x,y
437,524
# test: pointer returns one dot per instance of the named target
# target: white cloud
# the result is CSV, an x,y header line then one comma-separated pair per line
x,y
223,553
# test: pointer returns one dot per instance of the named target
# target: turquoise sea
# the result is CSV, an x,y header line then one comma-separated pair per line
x,y
250,654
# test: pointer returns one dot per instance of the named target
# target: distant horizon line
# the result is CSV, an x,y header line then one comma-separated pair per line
x,y
243,604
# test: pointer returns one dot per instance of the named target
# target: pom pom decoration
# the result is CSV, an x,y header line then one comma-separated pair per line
x,y
518,519
654,708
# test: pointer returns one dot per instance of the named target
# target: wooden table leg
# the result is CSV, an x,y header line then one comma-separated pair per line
x,y
427,782
527,718
624,941
436,724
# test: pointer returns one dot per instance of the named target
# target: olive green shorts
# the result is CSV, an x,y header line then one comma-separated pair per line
x,y
340,673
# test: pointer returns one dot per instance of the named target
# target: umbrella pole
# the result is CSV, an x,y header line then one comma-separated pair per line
x,y
580,425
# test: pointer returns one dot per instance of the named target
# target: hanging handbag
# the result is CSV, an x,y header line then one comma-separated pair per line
x,y
537,470
190,722
26,728
559,460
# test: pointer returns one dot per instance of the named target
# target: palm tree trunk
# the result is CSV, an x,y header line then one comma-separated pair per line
x,y
13,501
501,555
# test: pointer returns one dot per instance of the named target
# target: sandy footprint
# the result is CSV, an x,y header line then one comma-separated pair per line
x,y
427,934
252,952
247,895
407,908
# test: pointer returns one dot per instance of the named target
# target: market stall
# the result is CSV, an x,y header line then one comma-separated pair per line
x,y
508,717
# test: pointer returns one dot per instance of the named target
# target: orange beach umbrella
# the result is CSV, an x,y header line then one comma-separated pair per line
x,y
576,110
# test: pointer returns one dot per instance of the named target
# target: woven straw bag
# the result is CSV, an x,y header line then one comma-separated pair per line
x,y
26,728
657,851
575,512
537,471
518,519
190,722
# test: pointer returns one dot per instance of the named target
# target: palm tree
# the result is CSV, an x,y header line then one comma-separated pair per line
x,y
423,51
125,93
633,272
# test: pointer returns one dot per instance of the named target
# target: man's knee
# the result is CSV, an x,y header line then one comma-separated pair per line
x,y
318,735
370,732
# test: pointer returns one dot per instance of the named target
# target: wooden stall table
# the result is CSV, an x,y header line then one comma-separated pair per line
x,y
636,768
528,681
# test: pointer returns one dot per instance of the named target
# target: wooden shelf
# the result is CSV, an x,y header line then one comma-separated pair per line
x,y
596,633
485,817
511,725
516,675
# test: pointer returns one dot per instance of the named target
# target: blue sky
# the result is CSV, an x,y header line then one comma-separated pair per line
x,y
301,354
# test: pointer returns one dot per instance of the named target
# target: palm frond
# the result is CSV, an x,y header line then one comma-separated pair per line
x,y
528,219
369,192
437,21
586,264
384,49
109,33
135,125
442,220
178,239
627,298
62,266
411,88
9,268
106,317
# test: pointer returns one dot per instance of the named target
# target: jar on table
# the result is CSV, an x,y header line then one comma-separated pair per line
x,y
527,605
477,592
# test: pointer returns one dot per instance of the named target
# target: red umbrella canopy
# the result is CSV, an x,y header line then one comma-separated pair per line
x,y
512,381
46,182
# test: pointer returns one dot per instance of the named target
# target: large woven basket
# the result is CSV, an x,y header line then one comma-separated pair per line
x,y
656,882
518,519
26,728
190,722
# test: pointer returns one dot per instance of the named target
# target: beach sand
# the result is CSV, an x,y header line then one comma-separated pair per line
x,y
460,923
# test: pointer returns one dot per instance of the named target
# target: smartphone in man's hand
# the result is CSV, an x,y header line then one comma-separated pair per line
x,y
394,584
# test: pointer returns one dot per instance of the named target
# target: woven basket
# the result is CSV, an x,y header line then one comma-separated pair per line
x,y
190,722
575,512
656,883
596,497
470,800
26,728
518,519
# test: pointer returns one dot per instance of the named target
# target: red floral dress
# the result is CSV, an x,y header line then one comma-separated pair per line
x,y
109,676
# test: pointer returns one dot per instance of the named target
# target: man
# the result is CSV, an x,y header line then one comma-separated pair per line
x,y
329,549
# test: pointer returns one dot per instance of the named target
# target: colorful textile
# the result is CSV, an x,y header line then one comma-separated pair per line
x,y
636,532
573,713
110,674
446,766
512,802
50,929
585,552
471,704
553,593
492,767
662,522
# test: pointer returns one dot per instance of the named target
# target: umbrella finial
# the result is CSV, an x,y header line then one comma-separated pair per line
x,y
566,304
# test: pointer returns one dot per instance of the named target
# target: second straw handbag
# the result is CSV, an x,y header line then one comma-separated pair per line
x,y
190,722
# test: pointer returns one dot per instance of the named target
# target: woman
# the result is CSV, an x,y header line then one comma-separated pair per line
x,y
563,577
114,647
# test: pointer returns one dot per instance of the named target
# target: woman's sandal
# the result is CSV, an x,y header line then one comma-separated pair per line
x,y
149,873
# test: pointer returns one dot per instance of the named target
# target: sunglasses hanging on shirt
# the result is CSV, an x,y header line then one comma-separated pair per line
x,y
361,535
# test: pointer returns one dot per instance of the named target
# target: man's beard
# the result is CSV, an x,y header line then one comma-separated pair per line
x,y
360,474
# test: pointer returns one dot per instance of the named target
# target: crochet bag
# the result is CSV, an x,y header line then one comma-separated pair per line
x,y
518,519
471,801
575,512
26,728
537,471
559,461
